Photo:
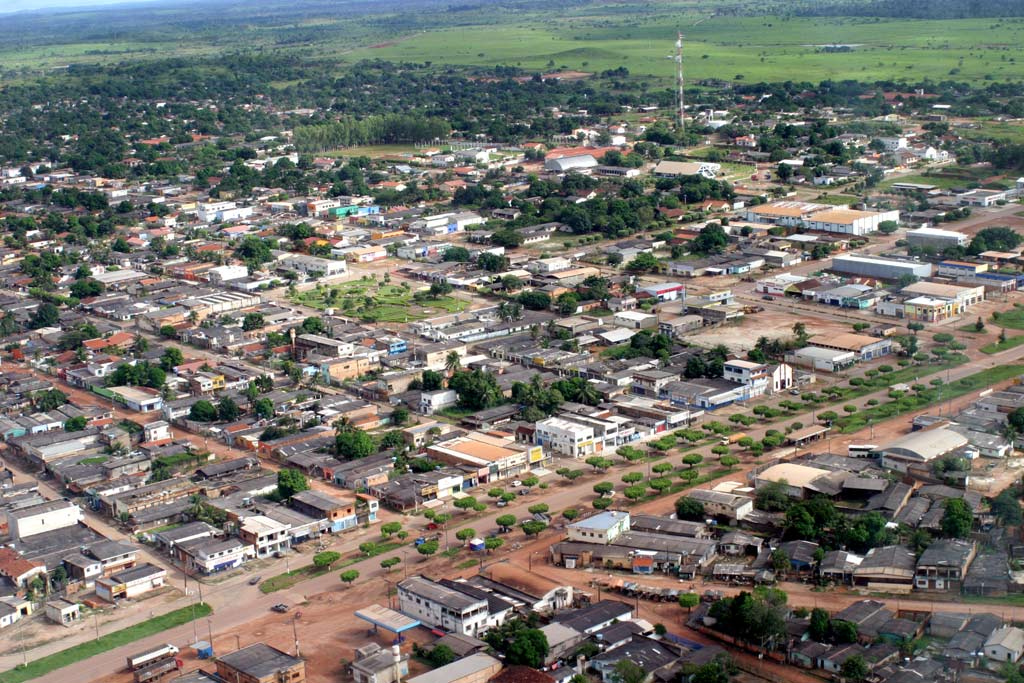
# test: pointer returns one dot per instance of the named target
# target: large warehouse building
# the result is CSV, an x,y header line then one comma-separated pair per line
x,y
820,217
880,268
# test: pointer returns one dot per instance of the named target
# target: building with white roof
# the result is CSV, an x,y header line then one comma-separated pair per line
x,y
936,238
602,528
920,448
571,439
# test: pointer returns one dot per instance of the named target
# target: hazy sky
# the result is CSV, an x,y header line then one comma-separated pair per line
x,y
22,5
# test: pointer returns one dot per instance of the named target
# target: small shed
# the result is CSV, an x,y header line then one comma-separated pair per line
x,y
63,612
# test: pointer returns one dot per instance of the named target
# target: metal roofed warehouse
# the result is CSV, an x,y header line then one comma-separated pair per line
x,y
881,268
921,447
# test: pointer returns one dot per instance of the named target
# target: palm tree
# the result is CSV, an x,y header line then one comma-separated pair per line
x,y
452,362
589,394
342,425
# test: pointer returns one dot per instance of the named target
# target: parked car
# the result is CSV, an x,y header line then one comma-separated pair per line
x,y
280,607
432,526
501,503
517,484
254,580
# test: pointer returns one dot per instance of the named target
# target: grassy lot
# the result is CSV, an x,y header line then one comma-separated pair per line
x,y
930,396
376,302
289,579
836,199
997,346
45,665
372,151
945,182
1013,319
995,130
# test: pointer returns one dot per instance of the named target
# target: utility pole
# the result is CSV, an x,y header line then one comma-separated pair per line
x,y
680,82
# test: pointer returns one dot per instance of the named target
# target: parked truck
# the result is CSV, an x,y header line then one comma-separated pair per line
x,y
151,656
732,438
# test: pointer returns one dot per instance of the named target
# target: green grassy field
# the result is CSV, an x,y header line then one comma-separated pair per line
x,y
377,302
931,396
728,47
997,346
594,37
1012,319
45,665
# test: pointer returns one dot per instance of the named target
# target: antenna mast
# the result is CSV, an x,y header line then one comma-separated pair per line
x,y
680,82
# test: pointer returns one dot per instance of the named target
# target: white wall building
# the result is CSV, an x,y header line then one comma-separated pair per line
x,y
224,212
568,438
442,607
48,516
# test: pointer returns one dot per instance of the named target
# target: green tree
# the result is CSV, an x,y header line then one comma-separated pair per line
x,y
354,444
253,321
387,564
427,548
844,632
476,389
820,626
48,400
604,488
688,508
325,559
693,459
441,655
493,543
202,411
689,601
47,315
75,424
780,561
532,527
1006,506
855,669
349,576
390,528
290,482
263,408
227,409
627,671
171,358
957,519
529,647
505,522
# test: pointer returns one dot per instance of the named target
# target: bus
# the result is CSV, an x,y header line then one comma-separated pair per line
x,y
862,450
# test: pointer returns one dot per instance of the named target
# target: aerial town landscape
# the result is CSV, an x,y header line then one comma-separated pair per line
x,y
587,341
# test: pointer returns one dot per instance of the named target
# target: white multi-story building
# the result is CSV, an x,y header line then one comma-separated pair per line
x,y
224,212
445,608
211,555
314,265
602,528
758,378
568,438
266,535
221,274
